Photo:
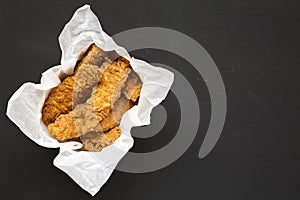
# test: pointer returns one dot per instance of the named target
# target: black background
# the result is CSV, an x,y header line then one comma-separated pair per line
x,y
255,45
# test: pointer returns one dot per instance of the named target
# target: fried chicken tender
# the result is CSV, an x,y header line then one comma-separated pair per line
x,y
97,141
114,116
75,88
99,96
86,77
133,87
109,89
79,121
85,118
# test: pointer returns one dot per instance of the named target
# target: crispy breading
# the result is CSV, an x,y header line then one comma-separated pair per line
x,y
78,122
94,142
94,94
109,89
59,101
86,77
113,134
133,86
76,88
114,116
86,117
97,141
73,90
94,55
83,120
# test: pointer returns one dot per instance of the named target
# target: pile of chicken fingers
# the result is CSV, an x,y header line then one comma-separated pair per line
x,y
88,105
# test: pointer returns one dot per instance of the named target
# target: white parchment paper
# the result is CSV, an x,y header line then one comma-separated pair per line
x,y
90,170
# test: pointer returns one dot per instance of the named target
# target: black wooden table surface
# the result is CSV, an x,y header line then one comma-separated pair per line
x,y
255,45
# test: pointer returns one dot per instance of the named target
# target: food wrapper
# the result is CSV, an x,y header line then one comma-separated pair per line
x,y
90,170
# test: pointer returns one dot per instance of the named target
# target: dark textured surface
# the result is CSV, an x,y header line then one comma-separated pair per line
x,y
255,45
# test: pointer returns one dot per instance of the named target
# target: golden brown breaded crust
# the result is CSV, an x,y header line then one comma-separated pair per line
x,y
64,126
114,116
94,142
59,101
109,89
83,120
97,141
75,88
133,86
94,55
113,134
86,77
76,123
86,117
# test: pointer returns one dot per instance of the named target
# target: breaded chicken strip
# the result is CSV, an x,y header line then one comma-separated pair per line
x,y
83,120
79,121
97,141
86,117
86,78
114,116
133,86
75,88
109,89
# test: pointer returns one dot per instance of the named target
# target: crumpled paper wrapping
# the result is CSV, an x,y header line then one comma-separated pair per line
x,y
90,170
